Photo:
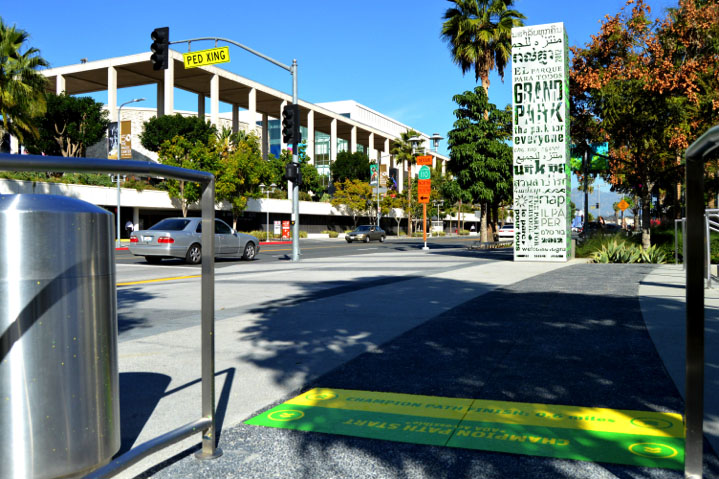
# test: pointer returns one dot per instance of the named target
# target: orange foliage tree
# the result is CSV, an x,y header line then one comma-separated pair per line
x,y
648,88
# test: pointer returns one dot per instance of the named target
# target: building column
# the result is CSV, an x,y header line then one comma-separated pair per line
x,y
283,145
112,92
60,84
169,88
215,100
333,141
353,140
310,140
252,109
201,106
136,217
236,119
265,137
160,98
371,152
14,145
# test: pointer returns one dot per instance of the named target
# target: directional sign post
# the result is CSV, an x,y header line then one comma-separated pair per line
x,y
424,190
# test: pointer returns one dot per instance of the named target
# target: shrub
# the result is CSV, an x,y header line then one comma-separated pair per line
x,y
624,252
332,234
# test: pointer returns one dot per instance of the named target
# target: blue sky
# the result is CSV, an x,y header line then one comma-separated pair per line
x,y
385,54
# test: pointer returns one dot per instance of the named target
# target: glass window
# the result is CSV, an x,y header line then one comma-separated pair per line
x,y
171,224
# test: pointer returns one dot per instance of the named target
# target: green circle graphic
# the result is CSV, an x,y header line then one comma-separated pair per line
x,y
285,415
651,423
654,450
424,173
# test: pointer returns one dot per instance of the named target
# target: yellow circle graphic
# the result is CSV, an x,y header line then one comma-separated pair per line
x,y
320,396
651,423
286,415
653,449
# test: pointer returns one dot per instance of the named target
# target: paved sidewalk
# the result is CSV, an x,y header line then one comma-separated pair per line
x,y
448,324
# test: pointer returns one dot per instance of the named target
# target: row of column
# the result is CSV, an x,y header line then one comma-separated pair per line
x,y
165,106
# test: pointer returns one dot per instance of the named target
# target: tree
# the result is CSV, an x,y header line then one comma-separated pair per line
x,y
393,206
239,170
652,86
354,195
481,158
182,153
479,34
403,152
157,130
22,87
70,125
350,166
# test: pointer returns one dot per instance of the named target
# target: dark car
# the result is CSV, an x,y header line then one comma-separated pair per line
x,y
366,233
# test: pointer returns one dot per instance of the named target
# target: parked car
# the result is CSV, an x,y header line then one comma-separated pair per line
x,y
506,232
181,238
366,233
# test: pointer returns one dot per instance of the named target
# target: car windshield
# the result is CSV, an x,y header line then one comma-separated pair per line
x,y
363,228
171,224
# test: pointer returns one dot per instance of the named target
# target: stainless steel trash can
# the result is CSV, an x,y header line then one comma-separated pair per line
x,y
59,397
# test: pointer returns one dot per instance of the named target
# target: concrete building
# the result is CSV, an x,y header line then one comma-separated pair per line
x,y
328,128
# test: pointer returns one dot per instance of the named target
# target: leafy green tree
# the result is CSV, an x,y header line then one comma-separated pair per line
x,y
240,170
311,179
22,87
70,125
157,130
184,154
403,153
350,166
479,34
355,196
393,206
481,158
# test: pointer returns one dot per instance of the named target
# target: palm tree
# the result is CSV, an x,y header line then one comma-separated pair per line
x,y
479,33
22,87
403,153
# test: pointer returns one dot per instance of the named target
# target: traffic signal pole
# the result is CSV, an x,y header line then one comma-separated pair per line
x,y
295,185
295,158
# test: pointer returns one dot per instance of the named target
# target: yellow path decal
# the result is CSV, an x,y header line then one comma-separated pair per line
x,y
526,414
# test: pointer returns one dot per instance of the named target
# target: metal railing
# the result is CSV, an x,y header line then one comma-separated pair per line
x,y
711,223
206,423
696,156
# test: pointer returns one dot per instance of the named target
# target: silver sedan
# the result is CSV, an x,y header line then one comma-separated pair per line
x,y
181,238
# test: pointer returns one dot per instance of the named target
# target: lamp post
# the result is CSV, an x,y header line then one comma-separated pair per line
x,y
267,191
414,141
119,156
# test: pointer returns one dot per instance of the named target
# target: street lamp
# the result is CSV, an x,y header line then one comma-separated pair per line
x,y
119,155
271,189
435,140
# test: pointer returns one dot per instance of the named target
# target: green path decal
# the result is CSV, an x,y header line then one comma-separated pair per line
x,y
638,438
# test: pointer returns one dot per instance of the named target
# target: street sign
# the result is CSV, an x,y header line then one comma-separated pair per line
x,y
623,205
424,190
425,173
206,57
424,160
373,174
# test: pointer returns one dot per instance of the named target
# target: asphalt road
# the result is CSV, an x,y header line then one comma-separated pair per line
x,y
322,248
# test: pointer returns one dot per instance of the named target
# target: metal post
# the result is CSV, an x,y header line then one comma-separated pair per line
x,y
707,250
119,156
209,439
676,242
268,217
295,186
695,155
424,225
585,165
684,244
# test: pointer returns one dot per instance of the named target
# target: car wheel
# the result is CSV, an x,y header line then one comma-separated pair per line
x,y
153,259
249,251
348,240
381,239
366,239
194,254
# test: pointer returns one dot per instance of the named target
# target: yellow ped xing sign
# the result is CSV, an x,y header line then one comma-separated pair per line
x,y
202,58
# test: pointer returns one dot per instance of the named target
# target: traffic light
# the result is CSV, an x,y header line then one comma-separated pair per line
x,y
291,124
293,173
160,48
